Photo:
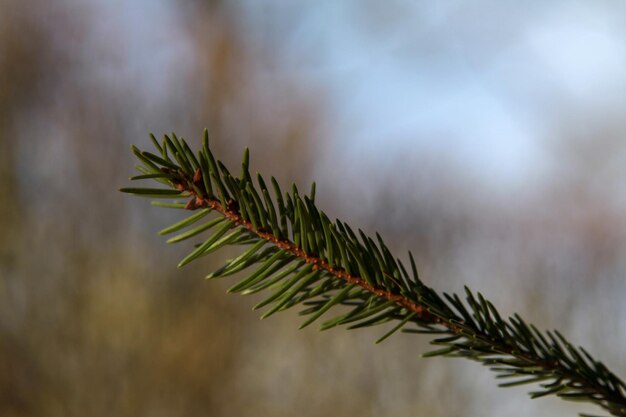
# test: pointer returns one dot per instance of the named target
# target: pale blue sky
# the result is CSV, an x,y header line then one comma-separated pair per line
x,y
487,85
483,84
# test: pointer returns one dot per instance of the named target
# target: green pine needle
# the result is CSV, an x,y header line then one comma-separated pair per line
x,y
298,256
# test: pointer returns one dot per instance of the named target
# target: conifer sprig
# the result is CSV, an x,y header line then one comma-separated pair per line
x,y
294,252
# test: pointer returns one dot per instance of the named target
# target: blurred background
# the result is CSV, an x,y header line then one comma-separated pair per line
x,y
486,137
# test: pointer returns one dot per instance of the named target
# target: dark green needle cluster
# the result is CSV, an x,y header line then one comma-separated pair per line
x,y
295,254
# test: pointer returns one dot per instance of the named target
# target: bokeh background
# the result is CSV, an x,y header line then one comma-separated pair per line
x,y
486,137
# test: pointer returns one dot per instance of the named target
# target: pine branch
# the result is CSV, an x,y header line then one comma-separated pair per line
x,y
302,258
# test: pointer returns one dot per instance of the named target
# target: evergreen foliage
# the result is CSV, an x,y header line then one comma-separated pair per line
x,y
300,257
